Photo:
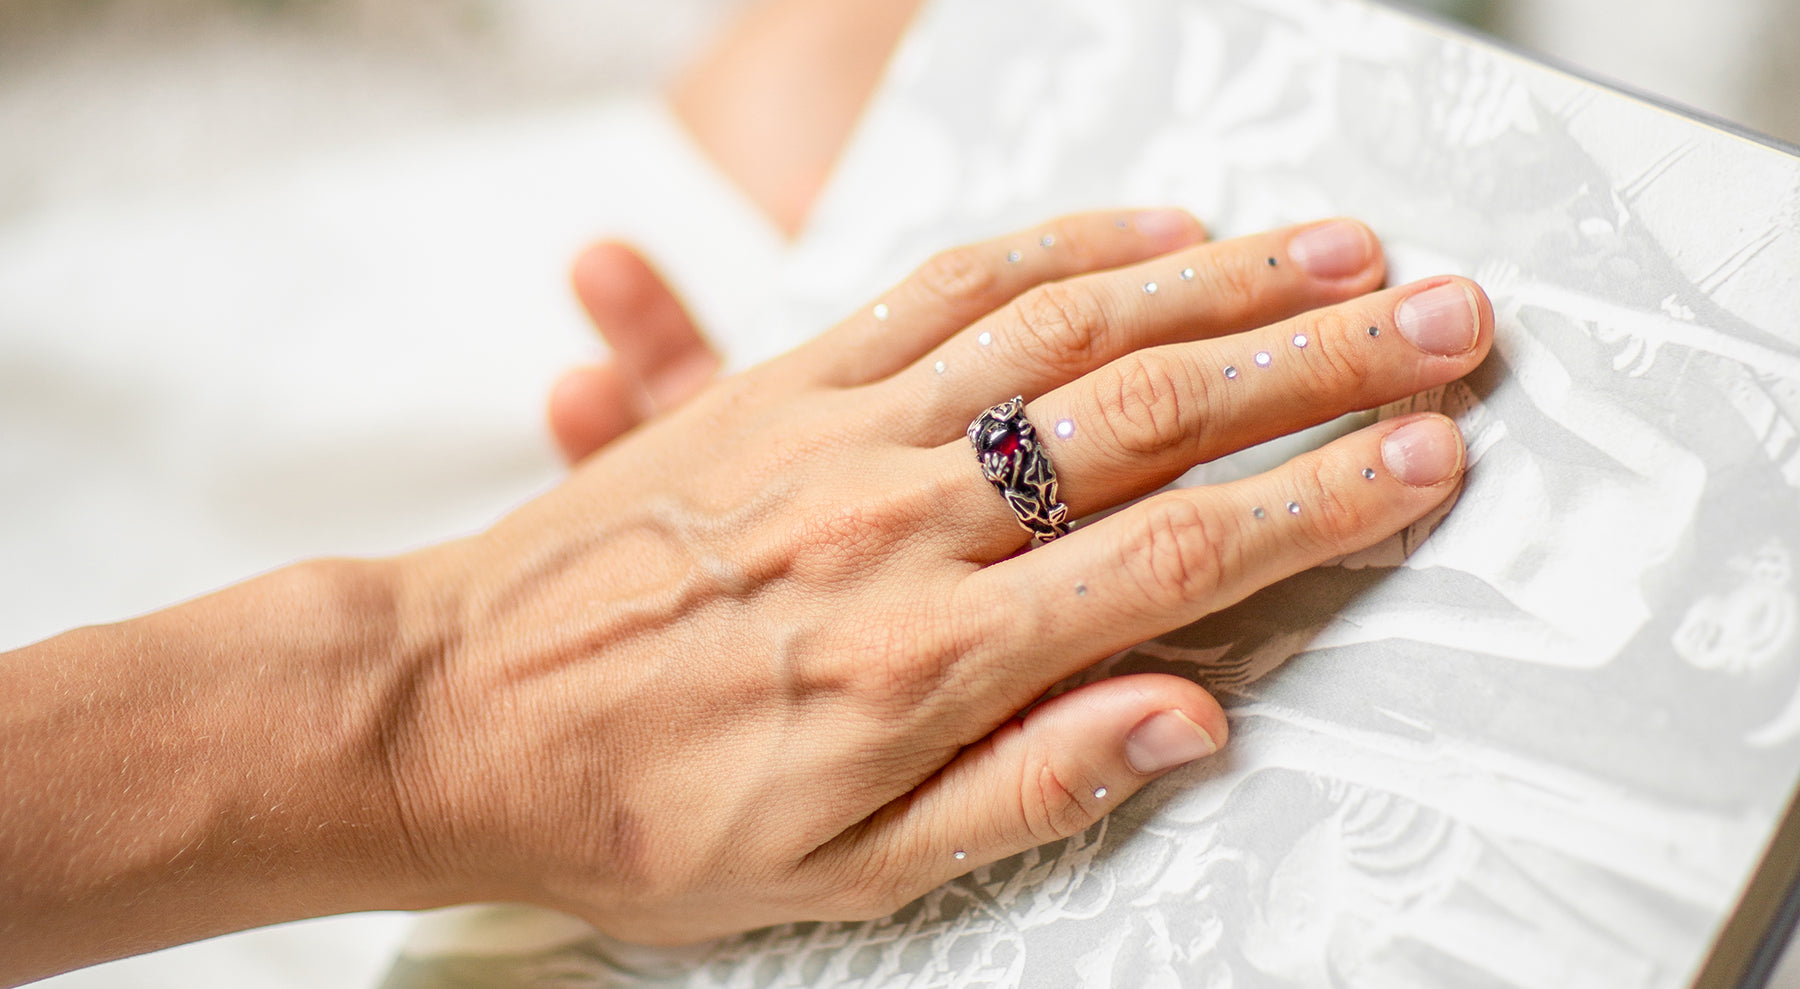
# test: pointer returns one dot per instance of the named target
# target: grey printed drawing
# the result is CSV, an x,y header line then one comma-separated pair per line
x,y
1539,740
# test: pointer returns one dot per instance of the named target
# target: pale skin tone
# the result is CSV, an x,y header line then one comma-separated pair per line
x,y
762,658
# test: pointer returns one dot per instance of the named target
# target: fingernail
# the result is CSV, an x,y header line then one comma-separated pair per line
x,y
1167,228
1165,740
1442,320
1337,249
1423,453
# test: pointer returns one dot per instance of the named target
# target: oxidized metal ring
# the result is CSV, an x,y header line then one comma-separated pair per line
x,y
1014,462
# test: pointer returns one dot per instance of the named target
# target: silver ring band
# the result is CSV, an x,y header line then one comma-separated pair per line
x,y
1014,462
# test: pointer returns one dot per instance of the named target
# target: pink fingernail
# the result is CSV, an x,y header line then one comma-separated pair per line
x,y
1424,452
1165,740
1337,249
1167,229
1443,320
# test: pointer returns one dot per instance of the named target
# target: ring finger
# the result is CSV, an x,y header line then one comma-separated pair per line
x,y
1146,418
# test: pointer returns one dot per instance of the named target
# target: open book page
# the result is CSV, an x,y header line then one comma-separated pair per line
x,y
1539,740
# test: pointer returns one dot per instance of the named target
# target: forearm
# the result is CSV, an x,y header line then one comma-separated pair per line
x,y
224,764
774,101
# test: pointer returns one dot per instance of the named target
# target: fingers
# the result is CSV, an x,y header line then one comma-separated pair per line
x,y
1063,330
590,407
1145,419
1034,780
959,286
659,360
1181,555
1152,416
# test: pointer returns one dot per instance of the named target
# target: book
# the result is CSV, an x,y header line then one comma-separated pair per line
x,y
1545,737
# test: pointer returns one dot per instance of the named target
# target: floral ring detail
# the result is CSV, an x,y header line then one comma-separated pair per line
x,y
1014,462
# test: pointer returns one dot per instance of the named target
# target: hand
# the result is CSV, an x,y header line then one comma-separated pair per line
x,y
659,357
764,659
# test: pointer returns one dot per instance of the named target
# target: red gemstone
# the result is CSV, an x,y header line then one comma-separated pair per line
x,y
1008,445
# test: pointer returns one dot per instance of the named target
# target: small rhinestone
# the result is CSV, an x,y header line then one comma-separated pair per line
x,y
1293,508
1099,793
1150,288
1120,223
1374,331
1048,241
1263,358
1081,590
1368,473
1014,257
1187,274
985,338
960,855
1231,374
1271,262
1259,513
1065,428
940,367
1300,340
881,311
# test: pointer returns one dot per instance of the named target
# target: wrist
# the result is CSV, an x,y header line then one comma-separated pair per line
x,y
224,764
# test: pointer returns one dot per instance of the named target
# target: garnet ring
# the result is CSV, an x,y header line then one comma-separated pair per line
x,y
1014,462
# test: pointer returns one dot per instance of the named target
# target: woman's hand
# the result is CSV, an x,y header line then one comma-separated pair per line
x,y
764,658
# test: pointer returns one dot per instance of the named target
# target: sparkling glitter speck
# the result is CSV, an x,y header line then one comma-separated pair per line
x,y
1263,359
1081,590
1015,257
881,311
1259,513
1293,508
941,367
1368,473
1065,428
1100,793
1231,374
1374,331
985,338
1150,288
960,855
1187,274
1300,340
1048,241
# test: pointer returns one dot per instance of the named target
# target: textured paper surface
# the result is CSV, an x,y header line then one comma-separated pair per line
x,y
1540,741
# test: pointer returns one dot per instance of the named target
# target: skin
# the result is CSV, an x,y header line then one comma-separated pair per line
x,y
762,658
774,100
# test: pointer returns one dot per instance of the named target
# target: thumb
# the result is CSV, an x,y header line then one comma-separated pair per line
x,y
1034,780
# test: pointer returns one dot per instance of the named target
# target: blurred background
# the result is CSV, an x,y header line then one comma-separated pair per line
x,y
114,95
107,105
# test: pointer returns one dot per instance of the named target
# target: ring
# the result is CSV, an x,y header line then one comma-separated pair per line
x,y
1013,461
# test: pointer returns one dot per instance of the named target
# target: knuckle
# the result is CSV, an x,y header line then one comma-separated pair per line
x,y
1062,326
1180,554
1340,520
1052,809
1149,409
1335,371
1079,251
958,277
1234,278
